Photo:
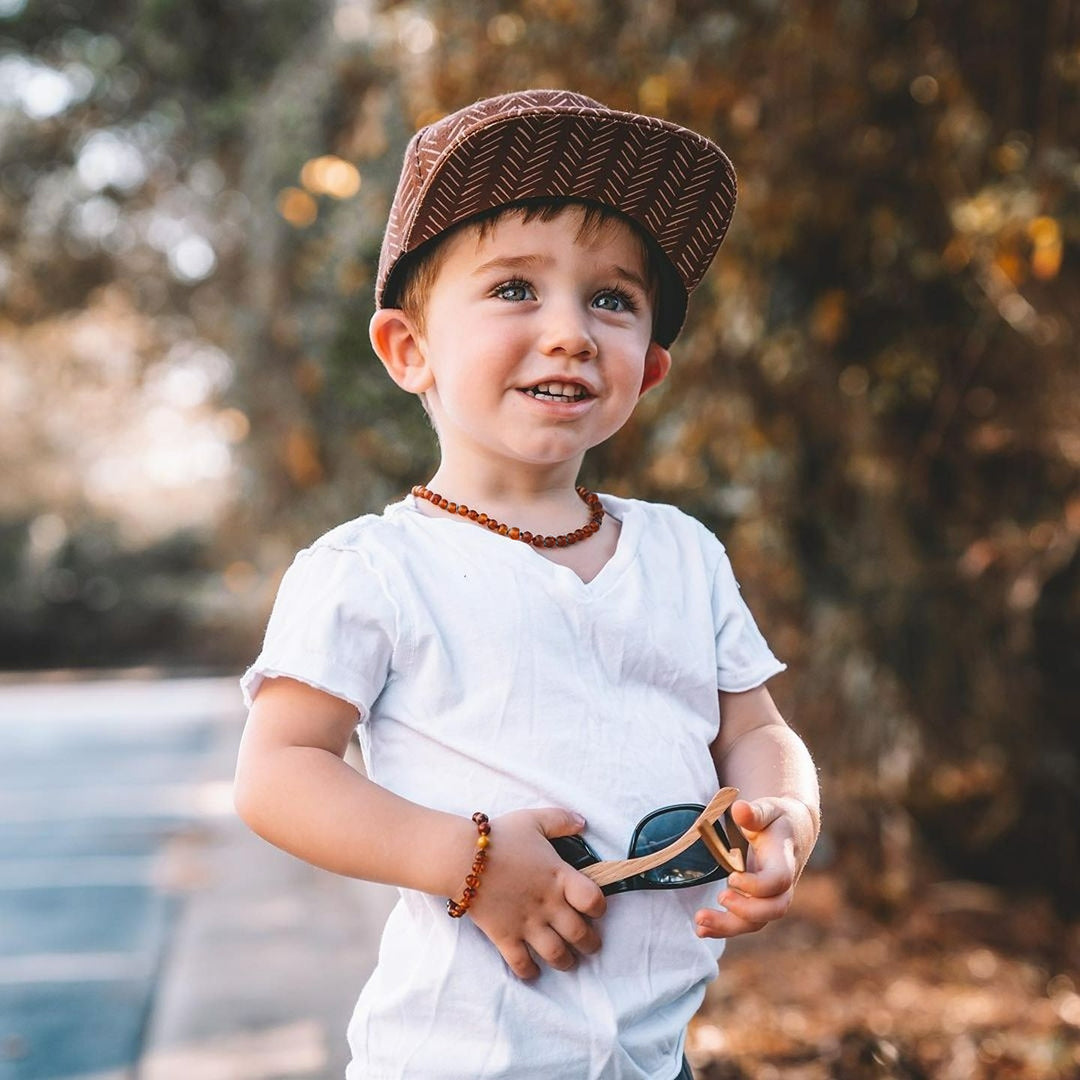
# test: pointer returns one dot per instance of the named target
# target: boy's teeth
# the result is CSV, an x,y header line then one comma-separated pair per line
x,y
563,391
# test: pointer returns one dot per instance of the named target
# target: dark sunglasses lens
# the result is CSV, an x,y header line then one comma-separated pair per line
x,y
687,868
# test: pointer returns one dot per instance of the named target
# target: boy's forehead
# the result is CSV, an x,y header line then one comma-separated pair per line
x,y
606,239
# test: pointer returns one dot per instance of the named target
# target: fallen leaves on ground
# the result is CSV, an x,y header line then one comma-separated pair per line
x,y
966,983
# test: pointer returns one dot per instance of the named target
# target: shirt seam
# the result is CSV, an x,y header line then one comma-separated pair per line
x,y
402,642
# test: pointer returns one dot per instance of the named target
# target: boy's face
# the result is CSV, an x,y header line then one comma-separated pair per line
x,y
536,342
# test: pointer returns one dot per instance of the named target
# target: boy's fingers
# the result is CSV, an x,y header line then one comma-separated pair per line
x,y
764,882
553,950
520,960
585,896
556,822
757,909
723,924
579,934
753,817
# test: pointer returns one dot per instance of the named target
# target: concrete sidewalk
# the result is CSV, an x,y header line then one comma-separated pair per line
x,y
136,898
268,956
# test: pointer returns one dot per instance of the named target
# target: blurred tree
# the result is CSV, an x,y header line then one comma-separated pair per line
x,y
874,401
122,131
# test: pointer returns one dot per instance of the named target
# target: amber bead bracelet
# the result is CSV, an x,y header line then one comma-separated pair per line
x,y
456,908
590,498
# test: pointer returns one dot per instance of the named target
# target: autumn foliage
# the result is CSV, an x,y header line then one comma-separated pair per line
x,y
874,402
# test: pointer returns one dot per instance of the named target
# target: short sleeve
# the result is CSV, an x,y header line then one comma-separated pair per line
x,y
333,626
743,657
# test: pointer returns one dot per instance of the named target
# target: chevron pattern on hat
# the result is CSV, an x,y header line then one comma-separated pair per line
x,y
678,186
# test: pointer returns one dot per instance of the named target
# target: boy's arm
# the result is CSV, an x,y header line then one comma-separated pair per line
x,y
778,811
295,790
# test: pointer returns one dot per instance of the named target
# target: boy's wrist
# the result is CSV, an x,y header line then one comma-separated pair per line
x,y
455,908
806,821
459,850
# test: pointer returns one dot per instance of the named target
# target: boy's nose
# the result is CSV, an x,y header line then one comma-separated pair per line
x,y
567,332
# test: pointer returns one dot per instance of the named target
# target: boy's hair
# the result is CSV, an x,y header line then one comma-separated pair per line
x,y
417,272
676,186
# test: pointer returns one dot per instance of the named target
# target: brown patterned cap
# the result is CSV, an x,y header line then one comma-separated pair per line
x,y
533,144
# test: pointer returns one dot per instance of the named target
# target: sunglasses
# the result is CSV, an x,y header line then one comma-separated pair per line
x,y
672,848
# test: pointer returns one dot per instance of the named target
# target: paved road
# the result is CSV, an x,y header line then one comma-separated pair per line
x,y
143,930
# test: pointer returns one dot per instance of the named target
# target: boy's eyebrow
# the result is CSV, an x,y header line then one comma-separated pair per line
x,y
509,262
525,262
633,277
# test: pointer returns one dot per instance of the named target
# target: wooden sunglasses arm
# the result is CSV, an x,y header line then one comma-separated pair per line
x,y
612,870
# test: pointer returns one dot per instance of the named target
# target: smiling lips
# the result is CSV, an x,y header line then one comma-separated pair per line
x,y
558,391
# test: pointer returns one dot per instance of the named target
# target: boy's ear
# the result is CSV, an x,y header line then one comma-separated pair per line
x,y
399,345
657,365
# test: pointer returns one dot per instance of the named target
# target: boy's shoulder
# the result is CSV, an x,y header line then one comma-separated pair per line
x,y
361,534
665,519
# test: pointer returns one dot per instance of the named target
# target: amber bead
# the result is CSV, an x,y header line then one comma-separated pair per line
x,y
456,908
591,500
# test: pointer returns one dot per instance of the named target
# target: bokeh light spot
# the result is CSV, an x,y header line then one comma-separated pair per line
x,y
105,159
297,207
854,381
233,425
653,94
330,175
240,576
924,89
417,34
505,29
192,259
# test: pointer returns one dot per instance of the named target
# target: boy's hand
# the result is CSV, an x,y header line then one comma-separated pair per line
x,y
531,903
781,834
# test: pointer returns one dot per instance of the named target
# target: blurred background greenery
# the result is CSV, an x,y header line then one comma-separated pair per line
x,y
874,401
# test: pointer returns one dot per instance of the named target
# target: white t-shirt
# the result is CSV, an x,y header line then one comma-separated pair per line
x,y
489,678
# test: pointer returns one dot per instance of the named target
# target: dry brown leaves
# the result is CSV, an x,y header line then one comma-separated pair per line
x,y
968,983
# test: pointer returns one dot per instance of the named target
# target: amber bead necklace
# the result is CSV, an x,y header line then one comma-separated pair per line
x,y
590,498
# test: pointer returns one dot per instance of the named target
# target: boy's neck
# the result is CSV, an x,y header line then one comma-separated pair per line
x,y
542,500
476,477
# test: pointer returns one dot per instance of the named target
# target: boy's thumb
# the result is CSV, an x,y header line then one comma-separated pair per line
x,y
751,817
556,822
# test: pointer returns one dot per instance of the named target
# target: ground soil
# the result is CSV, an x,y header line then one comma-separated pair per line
x,y
962,982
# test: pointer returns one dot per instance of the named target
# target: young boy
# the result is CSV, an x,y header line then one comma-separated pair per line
x,y
564,662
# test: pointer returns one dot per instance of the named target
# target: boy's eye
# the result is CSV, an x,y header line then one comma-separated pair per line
x,y
614,300
514,290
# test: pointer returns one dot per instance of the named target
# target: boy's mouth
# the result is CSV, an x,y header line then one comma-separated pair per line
x,y
557,391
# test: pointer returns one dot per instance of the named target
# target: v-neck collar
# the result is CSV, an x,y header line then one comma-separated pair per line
x,y
479,544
